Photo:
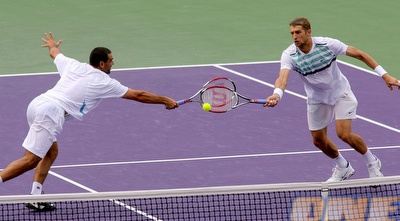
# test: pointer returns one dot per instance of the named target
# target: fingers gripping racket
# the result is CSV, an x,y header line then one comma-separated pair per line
x,y
218,81
224,99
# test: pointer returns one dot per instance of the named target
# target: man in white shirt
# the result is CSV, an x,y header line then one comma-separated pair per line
x,y
328,92
80,89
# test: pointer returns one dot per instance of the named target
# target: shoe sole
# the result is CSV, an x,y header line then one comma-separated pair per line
x,y
45,209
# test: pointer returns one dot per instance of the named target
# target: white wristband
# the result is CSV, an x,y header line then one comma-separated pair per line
x,y
380,71
279,92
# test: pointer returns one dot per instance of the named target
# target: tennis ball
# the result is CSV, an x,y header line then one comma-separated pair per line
x,y
206,107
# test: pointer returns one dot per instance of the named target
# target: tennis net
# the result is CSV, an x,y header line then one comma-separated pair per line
x,y
362,199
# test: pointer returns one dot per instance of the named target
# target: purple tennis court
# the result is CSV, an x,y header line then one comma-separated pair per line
x,y
124,145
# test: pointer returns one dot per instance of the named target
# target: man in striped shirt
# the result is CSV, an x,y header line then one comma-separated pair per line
x,y
329,94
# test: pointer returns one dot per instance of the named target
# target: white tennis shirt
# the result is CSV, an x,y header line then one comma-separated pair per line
x,y
323,80
81,87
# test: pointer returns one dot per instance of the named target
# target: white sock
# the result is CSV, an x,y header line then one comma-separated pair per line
x,y
36,188
1,180
340,161
369,157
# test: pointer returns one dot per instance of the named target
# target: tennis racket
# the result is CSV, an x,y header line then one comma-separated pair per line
x,y
224,99
218,81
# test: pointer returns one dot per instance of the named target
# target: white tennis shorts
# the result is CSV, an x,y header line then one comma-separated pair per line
x,y
46,120
320,116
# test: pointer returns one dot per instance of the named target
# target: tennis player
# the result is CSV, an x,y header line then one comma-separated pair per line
x,y
328,92
80,89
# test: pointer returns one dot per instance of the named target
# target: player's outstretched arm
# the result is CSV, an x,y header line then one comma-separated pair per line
x,y
279,88
51,44
368,60
151,98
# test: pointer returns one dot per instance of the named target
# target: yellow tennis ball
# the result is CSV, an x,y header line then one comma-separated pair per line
x,y
206,107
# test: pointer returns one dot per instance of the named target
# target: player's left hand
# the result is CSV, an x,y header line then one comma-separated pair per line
x,y
391,81
49,41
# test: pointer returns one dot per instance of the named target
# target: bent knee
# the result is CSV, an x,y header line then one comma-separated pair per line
x,y
31,159
53,152
346,137
319,141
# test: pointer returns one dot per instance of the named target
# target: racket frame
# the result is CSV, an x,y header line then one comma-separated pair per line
x,y
235,96
204,87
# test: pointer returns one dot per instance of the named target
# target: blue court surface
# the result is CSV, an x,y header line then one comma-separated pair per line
x,y
124,145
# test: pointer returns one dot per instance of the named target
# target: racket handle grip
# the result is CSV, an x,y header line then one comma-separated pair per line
x,y
180,102
259,101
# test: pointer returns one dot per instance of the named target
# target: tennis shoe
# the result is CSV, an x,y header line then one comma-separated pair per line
x,y
41,206
374,169
340,174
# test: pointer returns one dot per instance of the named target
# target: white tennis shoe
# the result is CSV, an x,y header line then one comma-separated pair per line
x,y
340,174
374,169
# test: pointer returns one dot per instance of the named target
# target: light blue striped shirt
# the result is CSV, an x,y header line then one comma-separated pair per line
x,y
323,80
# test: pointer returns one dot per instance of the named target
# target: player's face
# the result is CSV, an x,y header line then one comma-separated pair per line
x,y
301,37
106,67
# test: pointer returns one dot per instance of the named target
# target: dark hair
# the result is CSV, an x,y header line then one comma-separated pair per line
x,y
99,54
303,22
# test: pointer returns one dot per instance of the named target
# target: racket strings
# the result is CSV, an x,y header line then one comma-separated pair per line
x,y
223,82
220,98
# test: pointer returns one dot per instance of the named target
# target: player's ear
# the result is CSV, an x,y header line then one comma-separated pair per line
x,y
101,65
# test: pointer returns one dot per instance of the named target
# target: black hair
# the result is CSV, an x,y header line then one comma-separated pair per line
x,y
99,54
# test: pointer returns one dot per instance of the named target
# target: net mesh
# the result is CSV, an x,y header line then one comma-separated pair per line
x,y
364,199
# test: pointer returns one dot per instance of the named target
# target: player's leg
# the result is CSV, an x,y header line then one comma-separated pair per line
x,y
344,132
345,111
46,121
20,166
343,129
44,165
39,177
319,116
321,140
342,169
39,141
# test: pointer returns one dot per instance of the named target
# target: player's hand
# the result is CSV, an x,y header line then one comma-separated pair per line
x,y
51,44
49,41
272,100
171,104
391,81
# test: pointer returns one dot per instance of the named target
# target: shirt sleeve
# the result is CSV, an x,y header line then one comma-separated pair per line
x,y
286,61
107,87
62,63
117,89
337,46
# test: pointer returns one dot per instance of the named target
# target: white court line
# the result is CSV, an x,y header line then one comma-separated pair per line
x,y
150,68
185,66
211,158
